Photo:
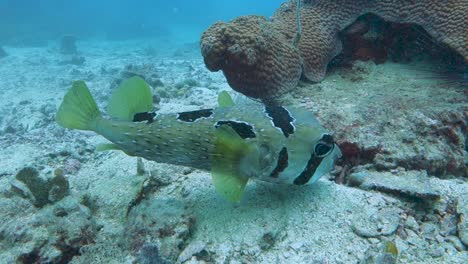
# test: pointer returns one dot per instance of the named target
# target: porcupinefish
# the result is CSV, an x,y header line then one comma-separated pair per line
x,y
235,141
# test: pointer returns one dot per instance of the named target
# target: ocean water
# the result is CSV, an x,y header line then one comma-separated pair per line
x,y
393,100
122,19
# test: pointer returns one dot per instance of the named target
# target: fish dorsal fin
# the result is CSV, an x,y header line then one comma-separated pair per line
x,y
229,151
131,97
225,100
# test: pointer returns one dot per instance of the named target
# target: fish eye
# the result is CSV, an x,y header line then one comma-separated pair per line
x,y
325,146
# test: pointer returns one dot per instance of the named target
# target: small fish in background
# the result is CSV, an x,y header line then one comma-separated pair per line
x,y
236,141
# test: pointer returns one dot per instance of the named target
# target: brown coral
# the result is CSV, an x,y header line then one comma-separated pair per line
x,y
259,59
254,56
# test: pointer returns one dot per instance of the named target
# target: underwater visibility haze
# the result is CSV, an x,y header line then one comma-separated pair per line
x,y
121,19
242,131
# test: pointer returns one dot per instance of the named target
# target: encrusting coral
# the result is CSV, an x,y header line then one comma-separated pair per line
x,y
259,58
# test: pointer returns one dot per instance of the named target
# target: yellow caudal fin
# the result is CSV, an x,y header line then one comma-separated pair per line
x,y
230,150
78,109
131,97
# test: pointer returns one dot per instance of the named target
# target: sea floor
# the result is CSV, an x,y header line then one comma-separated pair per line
x,y
400,193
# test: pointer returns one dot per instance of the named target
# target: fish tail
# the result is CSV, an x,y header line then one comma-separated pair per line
x,y
78,109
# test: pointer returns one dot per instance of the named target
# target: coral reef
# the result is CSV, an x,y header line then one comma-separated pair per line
x,y
403,136
372,38
258,57
387,127
253,54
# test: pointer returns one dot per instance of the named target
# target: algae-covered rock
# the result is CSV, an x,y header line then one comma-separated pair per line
x,y
148,72
54,234
377,223
149,254
187,83
68,45
462,210
58,186
387,253
40,191
3,53
162,222
192,249
414,184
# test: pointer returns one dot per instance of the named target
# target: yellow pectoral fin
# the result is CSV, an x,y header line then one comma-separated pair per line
x,y
229,151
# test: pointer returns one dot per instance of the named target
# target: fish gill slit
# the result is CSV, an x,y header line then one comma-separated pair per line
x,y
282,163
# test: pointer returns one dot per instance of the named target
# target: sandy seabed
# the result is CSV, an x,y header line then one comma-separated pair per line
x,y
402,180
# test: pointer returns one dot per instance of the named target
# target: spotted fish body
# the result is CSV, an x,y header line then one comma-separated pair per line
x,y
235,141
165,140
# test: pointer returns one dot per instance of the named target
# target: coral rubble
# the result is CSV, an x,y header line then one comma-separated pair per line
x,y
53,234
258,57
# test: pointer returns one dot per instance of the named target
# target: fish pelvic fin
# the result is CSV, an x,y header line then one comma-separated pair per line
x,y
78,109
225,100
131,97
229,153
107,146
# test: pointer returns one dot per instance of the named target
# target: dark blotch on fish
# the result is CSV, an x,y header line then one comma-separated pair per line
x,y
243,129
325,145
281,119
308,171
191,116
282,163
140,117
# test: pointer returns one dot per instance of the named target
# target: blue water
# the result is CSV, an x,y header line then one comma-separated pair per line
x,y
39,20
